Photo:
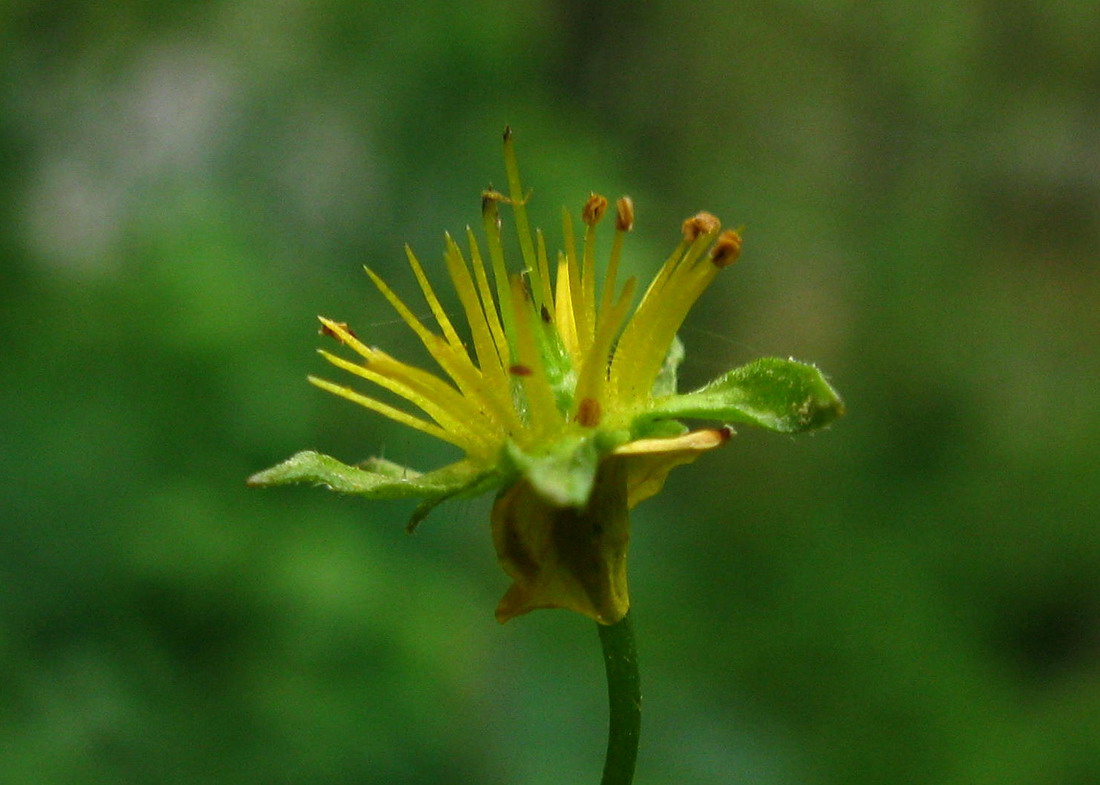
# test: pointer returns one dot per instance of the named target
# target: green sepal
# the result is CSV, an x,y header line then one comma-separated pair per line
x,y
657,429
780,395
556,361
378,478
665,383
563,474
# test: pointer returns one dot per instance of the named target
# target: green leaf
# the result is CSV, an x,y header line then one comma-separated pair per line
x,y
780,395
563,474
378,478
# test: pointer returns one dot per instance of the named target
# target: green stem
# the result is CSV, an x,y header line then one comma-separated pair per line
x,y
620,657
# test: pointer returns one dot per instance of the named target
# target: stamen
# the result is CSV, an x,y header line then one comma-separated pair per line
x,y
544,271
489,198
640,352
624,220
519,210
593,209
727,249
488,304
591,214
491,220
699,224
489,361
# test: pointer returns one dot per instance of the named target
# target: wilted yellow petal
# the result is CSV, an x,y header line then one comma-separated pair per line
x,y
648,461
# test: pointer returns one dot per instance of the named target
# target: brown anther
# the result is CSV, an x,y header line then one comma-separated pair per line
x,y
624,221
545,314
594,209
331,333
507,132
726,249
519,370
699,224
588,412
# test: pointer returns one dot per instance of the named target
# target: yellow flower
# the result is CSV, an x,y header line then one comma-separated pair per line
x,y
560,395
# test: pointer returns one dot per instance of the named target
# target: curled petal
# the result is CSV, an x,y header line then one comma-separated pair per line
x,y
648,461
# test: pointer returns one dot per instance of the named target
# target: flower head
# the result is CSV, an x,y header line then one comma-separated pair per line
x,y
561,395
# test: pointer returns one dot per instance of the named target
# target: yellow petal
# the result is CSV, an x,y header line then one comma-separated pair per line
x,y
393,413
565,557
648,461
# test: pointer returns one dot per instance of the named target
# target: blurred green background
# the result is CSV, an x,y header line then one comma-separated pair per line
x,y
911,597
